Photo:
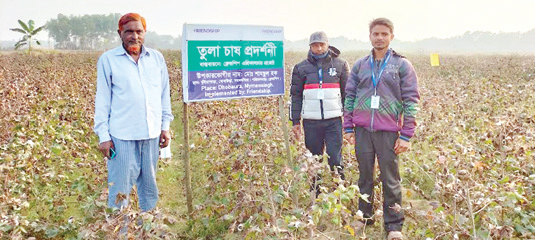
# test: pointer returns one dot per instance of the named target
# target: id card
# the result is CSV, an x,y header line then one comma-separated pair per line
x,y
375,102
321,94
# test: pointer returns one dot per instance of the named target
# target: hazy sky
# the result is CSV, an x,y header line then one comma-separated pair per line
x,y
413,19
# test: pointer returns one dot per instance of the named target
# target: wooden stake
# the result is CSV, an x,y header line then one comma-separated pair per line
x,y
187,169
284,123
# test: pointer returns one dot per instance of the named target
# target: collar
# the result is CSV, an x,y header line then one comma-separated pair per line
x,y
311,58
372,55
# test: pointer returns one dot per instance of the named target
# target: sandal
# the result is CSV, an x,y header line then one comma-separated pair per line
x,y
395,235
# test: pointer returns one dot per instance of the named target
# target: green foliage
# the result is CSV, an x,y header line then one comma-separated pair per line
x,y
470,173
29,32
471,159
53,177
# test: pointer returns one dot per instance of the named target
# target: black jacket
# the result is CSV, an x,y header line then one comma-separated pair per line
x,y
335,71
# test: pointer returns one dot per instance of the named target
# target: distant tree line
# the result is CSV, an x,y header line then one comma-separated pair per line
x,y
153,40
469,42
97,32
86,32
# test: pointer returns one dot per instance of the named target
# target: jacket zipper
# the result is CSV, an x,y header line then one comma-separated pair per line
x,y
373,110
320,75
373,116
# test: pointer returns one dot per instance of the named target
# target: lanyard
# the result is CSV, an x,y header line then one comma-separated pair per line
x,y
320,76
374,79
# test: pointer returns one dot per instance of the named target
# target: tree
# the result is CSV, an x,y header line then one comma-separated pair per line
x,y
29,32
60,30
87,32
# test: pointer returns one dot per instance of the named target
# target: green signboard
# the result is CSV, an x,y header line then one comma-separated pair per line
x,y
228,61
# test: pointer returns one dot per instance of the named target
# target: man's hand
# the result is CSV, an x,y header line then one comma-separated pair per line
x,y
164,138
296,129
350,137
401,146
104,148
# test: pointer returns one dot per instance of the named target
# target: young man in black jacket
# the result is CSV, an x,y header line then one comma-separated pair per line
x,y
317,92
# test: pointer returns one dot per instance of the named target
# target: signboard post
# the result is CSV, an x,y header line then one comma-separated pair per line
x,y
228,62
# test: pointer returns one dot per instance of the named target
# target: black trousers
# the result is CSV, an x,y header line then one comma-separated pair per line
x,y
325,134
381,144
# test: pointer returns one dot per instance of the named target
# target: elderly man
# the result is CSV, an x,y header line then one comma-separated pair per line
x,y
381,104
132,114
317,93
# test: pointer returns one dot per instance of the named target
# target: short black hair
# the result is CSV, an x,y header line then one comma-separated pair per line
x,y
382,21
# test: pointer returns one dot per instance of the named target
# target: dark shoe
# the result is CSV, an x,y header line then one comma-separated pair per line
x,y
315,186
